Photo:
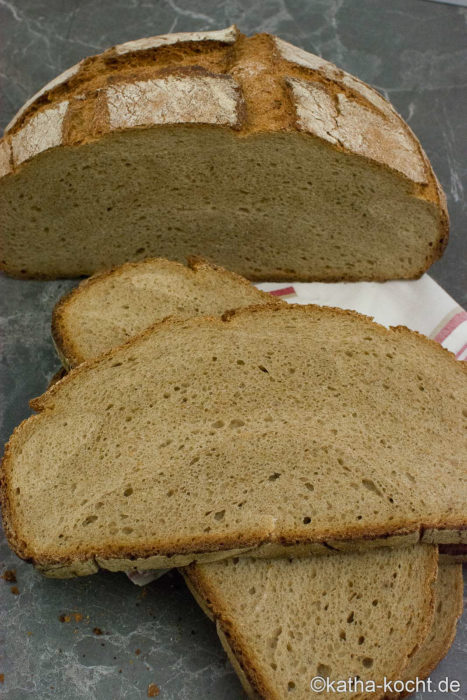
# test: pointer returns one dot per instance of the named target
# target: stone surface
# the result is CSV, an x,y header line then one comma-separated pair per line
x,y
415,53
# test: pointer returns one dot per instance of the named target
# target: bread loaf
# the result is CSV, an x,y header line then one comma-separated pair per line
x,y
275,430
249,151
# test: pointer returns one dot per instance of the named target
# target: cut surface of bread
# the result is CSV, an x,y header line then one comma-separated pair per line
x,y
108,309
338,616
249,151
103,311
272,430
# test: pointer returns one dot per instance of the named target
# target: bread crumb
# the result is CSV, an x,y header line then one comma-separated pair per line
x,y
14,590
2,678
78,617
9,575
138,652
98,631
64,618
153,690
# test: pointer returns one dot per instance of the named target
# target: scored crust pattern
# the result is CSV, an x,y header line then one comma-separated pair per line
x,y
256,84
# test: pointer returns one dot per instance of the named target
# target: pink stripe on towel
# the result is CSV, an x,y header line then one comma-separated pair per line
x,y
285,291
451,326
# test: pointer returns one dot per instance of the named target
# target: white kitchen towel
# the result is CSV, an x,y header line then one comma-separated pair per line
x,y
421,305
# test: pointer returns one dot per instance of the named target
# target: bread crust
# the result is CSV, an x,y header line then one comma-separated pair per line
x,y
64,342
78,102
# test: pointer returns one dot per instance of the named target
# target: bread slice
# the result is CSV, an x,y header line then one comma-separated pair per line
x,y
274,430
448,609
249,151
105,310
108,309
343,616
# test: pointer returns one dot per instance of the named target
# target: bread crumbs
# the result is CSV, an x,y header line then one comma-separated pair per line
x,y
153,690
9,575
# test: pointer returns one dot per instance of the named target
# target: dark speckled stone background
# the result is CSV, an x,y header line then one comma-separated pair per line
x,y
415,53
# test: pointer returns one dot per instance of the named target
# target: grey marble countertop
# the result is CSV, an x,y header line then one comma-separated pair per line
x,y
102,637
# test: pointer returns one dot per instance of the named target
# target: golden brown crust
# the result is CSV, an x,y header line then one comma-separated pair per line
x,y
452,530
252,62
57,376
65,344
94,72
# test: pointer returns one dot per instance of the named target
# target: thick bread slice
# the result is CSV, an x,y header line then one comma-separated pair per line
x,y
271,430
108,309
105,309
284,622
249,151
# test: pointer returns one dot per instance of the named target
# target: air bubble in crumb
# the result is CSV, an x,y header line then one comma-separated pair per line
x,y
236,423
324,671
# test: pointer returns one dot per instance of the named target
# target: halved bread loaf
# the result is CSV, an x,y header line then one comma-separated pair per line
x,y
284,622
250,151
274,430
108,309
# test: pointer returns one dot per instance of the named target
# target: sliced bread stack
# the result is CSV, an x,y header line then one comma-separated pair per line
x,y
247,150
106,504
